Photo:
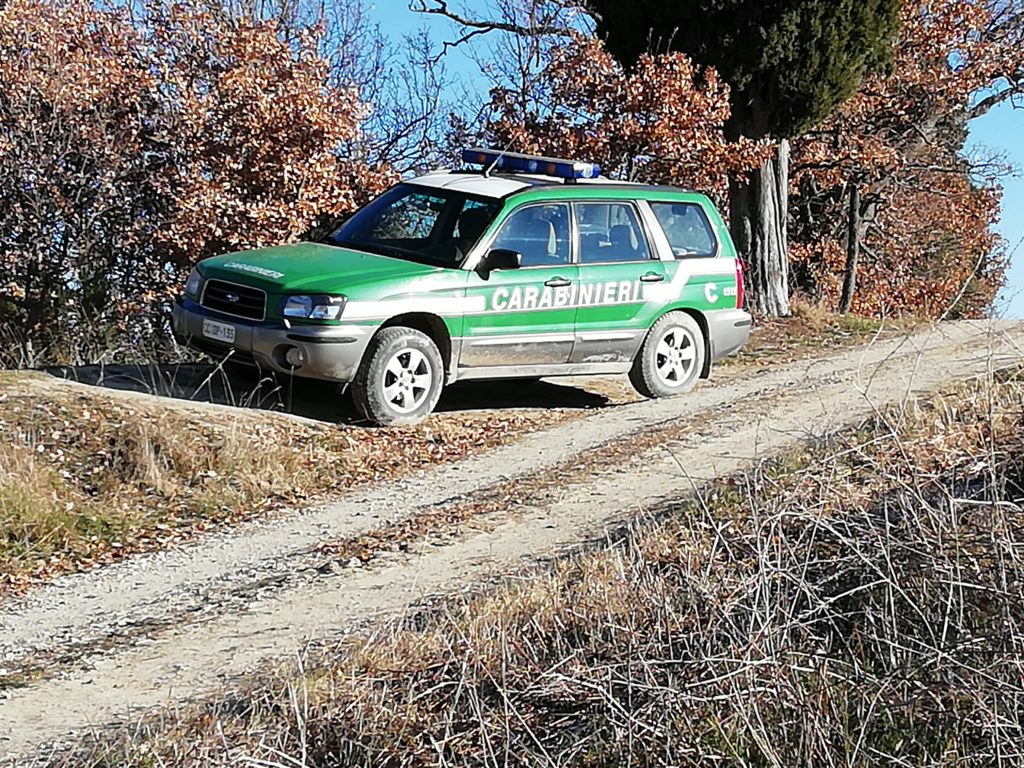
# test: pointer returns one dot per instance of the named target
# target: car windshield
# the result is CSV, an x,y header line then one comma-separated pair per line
x,y
423,224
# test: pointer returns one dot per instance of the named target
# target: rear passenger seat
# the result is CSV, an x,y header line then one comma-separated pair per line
x,y
590,246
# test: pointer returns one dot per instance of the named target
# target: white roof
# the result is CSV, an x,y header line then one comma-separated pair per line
x,y
495,185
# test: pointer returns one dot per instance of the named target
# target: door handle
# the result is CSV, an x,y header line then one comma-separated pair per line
x,y
651,277
557,282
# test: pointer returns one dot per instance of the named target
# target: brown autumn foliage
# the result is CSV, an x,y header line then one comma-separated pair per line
x,y
928,243
80,159
659,122
133,146
929,250
256,132
927,240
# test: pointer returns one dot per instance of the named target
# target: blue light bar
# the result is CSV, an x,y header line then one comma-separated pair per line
x,y
545,166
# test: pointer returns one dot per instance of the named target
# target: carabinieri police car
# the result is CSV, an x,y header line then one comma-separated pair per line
x,y
521,268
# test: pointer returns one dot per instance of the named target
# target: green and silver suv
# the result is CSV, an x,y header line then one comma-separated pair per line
x,y
529,267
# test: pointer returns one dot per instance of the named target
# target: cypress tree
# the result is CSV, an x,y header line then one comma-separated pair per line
x,y
789,63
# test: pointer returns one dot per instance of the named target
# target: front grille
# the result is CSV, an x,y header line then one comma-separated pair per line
x,y
233,299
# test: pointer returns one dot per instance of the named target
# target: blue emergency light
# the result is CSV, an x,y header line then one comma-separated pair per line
x,y
493,159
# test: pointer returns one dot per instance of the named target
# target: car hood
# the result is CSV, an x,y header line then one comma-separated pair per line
x,y
310,267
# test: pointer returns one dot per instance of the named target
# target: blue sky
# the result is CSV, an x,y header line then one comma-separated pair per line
x,y
1001,130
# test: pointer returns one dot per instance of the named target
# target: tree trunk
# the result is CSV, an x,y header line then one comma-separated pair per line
x,y
852,251
758,208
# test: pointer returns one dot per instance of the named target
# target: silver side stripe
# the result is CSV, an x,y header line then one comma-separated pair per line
x,y
608,335
437,305
551,338
520,338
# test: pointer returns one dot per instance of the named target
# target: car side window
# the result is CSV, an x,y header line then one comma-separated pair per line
x,y
687,228
610,232
540,233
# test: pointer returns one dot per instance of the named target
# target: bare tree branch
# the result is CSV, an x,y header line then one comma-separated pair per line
x,y
483,26
1014,88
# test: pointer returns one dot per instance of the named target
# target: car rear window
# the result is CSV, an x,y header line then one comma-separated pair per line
x,y
687,228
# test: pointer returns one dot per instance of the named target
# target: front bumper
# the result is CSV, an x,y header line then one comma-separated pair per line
x,y
332,353
728,330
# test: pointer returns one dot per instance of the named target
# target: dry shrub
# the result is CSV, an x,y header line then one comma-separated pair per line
x,y
858,604
168,453
813,316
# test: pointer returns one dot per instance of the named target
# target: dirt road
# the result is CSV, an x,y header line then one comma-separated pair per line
x,y
174,625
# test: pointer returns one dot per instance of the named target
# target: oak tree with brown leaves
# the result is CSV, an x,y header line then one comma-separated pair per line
x,y
921,224
660,122
133,145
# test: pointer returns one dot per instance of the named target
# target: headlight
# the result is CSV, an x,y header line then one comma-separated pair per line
x,y
194,282
314,307
298,306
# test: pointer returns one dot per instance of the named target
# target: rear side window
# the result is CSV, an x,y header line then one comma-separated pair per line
x,y
687,228
610,232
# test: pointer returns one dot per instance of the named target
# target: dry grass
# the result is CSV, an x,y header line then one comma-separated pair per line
x,y
87,478
813,329
859,603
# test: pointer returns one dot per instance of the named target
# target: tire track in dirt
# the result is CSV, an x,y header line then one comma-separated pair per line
x,y
778,407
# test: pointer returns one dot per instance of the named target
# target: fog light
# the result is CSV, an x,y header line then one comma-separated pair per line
x,y
295,357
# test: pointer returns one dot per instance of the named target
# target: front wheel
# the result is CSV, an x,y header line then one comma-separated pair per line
x,y
671,358
400,378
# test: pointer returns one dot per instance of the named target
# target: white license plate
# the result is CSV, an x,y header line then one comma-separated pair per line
x,y
219,331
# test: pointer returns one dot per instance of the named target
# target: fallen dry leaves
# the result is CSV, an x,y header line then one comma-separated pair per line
x,y
89,478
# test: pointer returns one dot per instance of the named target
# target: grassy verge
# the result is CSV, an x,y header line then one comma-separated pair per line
x,y
860,602
87,478
812,330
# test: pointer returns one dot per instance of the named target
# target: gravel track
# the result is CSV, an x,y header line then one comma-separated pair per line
x,y
237,598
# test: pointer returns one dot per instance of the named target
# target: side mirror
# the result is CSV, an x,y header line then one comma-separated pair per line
x,y
499,258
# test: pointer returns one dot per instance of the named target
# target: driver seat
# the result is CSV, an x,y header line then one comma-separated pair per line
x,y
472,223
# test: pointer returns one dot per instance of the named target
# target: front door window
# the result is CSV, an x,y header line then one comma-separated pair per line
x,y
540,233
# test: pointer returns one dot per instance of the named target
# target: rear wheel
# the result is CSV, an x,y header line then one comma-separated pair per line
x,y
400,378
671,358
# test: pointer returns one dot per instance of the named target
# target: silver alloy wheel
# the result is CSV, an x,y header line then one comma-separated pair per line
x,y
675,356
407,379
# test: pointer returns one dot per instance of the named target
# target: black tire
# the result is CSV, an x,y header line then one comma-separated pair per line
x,y
411,399
654,372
